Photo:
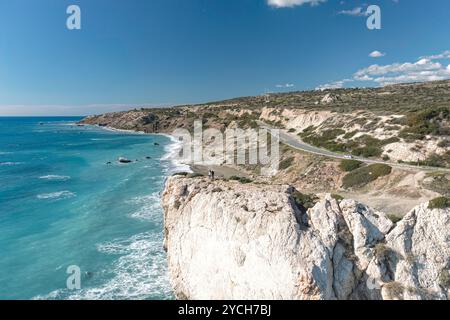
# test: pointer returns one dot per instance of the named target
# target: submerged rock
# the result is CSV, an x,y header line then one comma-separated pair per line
x,y
226,240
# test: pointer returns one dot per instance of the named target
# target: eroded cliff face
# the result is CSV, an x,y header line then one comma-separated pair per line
x,y
226,240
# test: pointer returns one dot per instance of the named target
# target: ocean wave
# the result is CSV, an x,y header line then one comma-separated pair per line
x,y
150,208
123,130
172,151
140,273
56,195
4,153
55,178
101,139
9,164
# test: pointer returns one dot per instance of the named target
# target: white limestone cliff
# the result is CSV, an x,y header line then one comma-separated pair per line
x,y
227,240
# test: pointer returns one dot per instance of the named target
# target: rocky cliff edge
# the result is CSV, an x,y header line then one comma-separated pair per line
x,y
227,240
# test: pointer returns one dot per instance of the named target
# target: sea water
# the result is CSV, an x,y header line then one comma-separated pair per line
x,y
66,201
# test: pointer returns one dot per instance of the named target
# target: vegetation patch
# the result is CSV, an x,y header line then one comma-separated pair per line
x,y
286,163
195,175
337,197
439,203
183,174
242,180
431,121
444,279
368,151
435,160
394,218
395,289
362,176
350,165
304,201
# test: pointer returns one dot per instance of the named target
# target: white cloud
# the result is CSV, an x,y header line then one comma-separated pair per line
x,y
292,3
423,70
287,85
440,56
420,71
377,54
334,85
356,12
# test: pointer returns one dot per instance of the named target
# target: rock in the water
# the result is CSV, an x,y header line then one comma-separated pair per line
x,y
124,160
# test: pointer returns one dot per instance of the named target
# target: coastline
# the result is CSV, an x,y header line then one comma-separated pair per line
x,y
173,148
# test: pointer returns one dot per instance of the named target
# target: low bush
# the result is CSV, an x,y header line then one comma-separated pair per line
x,y
195,175
367,151
304,201
395,290
286,163
439,203
362,176
350,165
337,197
444,279
394,218
242,180
183,174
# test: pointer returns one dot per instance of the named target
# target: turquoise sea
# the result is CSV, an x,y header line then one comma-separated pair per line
x,y
62,204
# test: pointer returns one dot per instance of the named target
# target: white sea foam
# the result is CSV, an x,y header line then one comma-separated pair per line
x,y
55,178
172,151
123,130
10,164
56,195
140,273
150,208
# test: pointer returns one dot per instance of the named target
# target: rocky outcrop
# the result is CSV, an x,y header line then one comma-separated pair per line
x,y
226,240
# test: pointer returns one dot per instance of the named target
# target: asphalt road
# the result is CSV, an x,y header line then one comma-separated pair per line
x,y
295,142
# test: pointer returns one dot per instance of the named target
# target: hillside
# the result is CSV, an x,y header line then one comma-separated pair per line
x,y
398,125
408,123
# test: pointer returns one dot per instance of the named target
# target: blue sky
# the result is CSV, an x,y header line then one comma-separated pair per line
x,y
163,52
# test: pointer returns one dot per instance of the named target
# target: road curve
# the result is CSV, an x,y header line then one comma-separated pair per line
x,y
296,143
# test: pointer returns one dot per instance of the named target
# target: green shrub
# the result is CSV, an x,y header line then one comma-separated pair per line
x,y
439,203
389,141
394,218
362,176
337,197
350,134
444,143
291,130
183,174
242,180
332,134
195,175
395,290
286,163
367,151
304,201
381,251
350,165
444,279
430,121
